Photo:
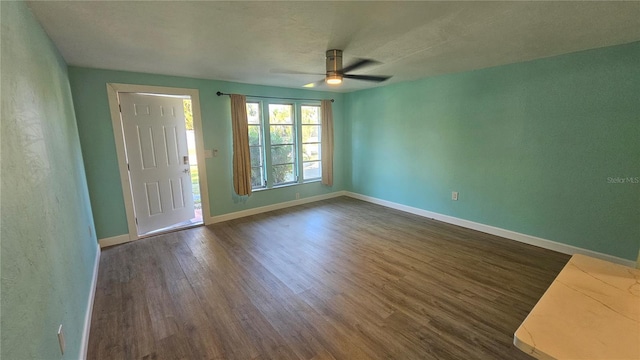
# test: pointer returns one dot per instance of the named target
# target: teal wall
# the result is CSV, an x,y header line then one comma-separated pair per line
x,y
47,253
99,149
530,147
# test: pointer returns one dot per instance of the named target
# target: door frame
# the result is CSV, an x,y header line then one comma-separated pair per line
x,y
114,107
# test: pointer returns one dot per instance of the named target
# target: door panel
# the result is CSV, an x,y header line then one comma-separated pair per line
x,y
177,193
153,198
147,149
171,144
157,154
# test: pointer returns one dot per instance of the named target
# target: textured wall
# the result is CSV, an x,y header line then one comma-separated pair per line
x,y
537,147
46,249
99,149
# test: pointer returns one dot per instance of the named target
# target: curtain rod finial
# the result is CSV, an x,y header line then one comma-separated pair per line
x,y
219,93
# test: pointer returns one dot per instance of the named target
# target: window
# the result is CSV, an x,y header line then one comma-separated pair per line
x,y
256,146
311,167
284,142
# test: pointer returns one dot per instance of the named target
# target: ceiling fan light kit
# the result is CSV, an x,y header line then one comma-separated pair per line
x,y
333,79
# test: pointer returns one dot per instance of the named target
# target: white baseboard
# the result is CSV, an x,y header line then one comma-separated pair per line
x,y
87,316
262,209
124,238
512,235
114,240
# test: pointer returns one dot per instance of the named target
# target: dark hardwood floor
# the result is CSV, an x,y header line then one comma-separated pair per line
x,y
337,279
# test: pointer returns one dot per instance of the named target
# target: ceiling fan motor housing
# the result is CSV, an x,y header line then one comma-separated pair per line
x,y
334,62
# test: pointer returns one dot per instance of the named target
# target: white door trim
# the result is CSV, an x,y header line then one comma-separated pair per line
x,y
112,93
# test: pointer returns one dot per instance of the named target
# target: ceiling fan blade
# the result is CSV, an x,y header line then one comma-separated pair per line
x,y
293,72
314,84
358,64
367,77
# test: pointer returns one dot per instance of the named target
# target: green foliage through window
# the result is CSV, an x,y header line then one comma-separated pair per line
x,y
188,113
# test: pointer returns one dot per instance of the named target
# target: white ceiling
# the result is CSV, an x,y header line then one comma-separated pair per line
x,y
249,42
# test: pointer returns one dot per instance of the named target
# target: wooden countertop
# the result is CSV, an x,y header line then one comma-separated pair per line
x,y
590,311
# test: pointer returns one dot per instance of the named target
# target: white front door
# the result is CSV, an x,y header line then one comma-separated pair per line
x,y
158,159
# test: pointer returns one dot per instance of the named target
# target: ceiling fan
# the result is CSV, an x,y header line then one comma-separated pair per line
x,y
335,73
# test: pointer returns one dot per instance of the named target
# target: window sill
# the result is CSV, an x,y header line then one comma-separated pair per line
x,y
286,185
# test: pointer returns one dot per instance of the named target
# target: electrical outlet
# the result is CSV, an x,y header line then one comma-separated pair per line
x,y
454,196
61,339
297,196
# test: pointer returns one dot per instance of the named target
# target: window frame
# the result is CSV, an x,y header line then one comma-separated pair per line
x,y
319,143
261,146
269,151
265,128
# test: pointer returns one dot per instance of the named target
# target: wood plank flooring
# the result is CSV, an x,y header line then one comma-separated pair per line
x,y
337,279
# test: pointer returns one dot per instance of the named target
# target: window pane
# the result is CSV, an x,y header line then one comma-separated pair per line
x,y
254,135
283,174
281,134
280,114
255,145
253,113
310,152
256,155
282,154
257,180
310,133
310,114
312,170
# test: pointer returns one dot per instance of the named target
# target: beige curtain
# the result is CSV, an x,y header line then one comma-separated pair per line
x,y
327,142
241,155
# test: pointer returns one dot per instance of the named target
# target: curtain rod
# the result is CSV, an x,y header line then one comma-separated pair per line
x,y
273,97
